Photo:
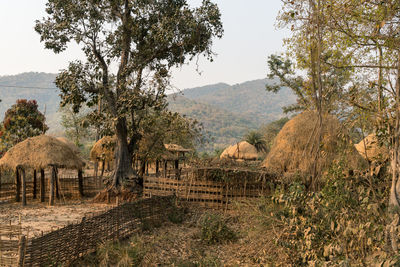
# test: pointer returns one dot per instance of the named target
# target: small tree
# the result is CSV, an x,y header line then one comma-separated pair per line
x,y
256,139
21,121
75,124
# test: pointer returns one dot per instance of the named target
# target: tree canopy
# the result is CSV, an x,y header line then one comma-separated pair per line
x,y
130,48
21,120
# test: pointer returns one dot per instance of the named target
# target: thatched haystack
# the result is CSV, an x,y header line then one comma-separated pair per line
x,y
240,151
370,149
41,152
70,144
291,149
104,149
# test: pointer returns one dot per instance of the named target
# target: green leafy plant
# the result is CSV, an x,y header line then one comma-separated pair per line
x,y
213,229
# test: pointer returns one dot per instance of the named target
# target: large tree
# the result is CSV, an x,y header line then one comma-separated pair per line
x,y
21,120
130,47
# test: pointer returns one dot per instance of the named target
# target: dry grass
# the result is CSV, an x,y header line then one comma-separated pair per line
x,y
370,149
104,149
41,152
295,145
240,151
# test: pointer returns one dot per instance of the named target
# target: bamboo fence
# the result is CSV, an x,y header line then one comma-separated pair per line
x,y
63,246
210,187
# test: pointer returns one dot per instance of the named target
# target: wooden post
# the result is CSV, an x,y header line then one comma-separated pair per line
x,y
18,186
42,186
52,181
157,167
57,183
34,183
165,168
21,251
23,187
80,182
102,168
96,168
0,180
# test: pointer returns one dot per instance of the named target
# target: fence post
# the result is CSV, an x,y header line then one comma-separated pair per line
x,y
21,251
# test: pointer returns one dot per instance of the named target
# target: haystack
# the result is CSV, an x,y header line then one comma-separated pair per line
x,y
104,149
70,144
41,152
370,149
291,149
240,151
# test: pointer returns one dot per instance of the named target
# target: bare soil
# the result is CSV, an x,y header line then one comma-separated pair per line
x,y
39,217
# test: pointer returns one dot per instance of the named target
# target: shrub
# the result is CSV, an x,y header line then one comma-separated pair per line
x,y
213,229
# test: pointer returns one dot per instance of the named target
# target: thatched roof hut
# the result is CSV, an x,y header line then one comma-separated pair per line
x,y
240,151
104,149
176,148
291,149
370,149
41,152
70,144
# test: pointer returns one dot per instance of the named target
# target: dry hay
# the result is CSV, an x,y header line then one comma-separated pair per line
x,y
70,144
104,149
41,152
290,152
110,196
240,151
176,148
370,149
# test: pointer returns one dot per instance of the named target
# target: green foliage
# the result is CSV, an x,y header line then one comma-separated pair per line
x,y
21,121
256,139
75,125
343,222
213,229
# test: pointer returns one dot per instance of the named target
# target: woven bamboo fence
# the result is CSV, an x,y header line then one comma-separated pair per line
x,y
210,187
67,244
9,244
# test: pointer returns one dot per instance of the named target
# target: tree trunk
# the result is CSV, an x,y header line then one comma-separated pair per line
x,y
34,183
42,186
18,186
123,161
23,187
80,183
394,199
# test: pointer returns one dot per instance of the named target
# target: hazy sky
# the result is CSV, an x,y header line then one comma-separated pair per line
x,y
250,36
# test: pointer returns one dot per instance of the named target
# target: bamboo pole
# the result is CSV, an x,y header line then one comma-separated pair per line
x,y
52,184
42,186
23,187
34,183
18,186
21,251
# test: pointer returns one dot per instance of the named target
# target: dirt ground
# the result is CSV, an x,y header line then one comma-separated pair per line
x,y
39,217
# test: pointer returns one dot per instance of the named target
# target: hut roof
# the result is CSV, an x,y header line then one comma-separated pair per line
x,y
292,145
370,149
104,149
242,150
176,148
40,152
70,144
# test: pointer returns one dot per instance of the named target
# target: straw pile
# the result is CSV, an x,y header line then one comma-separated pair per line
x,y
70,144
370,149
291,151
104,149
41,152
240,151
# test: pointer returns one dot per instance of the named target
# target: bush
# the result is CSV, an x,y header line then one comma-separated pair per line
x,y
213,229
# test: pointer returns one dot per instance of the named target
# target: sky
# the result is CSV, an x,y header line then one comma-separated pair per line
x,y
250,37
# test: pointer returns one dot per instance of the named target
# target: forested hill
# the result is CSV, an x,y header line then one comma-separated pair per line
x,y
227,112
249,99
